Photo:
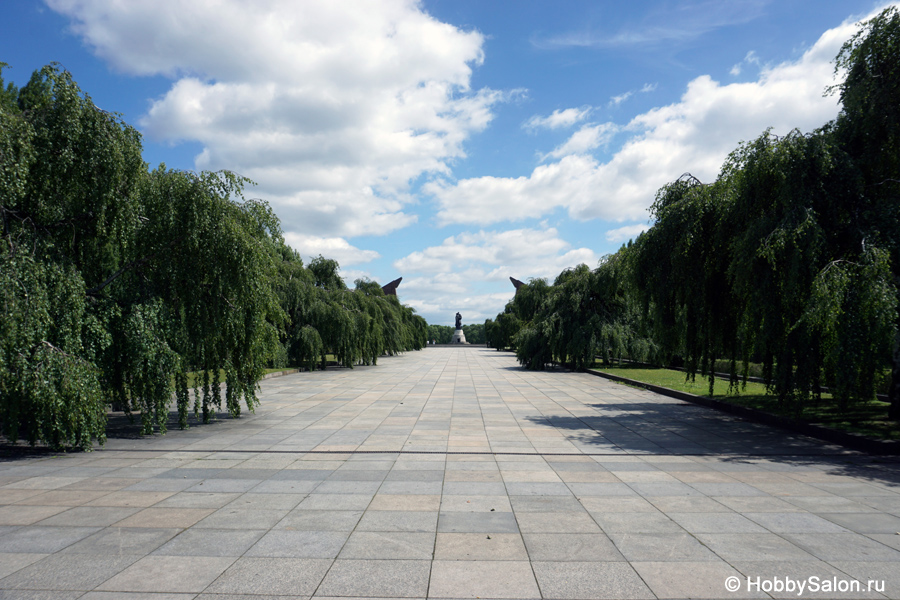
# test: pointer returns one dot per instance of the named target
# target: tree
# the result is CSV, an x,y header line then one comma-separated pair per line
x,y
868,129
474,333
120,280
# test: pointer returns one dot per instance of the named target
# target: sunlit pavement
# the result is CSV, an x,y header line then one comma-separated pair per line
x,y
453,473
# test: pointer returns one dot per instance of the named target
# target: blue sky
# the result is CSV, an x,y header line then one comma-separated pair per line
x,y
454,143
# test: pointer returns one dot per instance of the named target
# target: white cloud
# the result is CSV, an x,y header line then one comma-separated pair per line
x,y
332,107
485,200
617,100
750,59
693,135
558,119
497,255
628,232
442,279
337,248
584,140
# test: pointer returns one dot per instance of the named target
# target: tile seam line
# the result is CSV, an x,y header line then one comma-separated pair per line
x,y
488,453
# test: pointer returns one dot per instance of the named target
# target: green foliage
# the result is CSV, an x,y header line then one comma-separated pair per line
x,y
123,279
440,334
790,260
443,334
583,314
325,317
502,332
48,391
474,333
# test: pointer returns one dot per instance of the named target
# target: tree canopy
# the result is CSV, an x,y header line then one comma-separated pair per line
x,y
790,258
117,281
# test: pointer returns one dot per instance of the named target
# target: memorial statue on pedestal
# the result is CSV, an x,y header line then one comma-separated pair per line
x,y
459,336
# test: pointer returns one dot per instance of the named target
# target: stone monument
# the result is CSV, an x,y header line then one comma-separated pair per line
x,y
458,336
391,288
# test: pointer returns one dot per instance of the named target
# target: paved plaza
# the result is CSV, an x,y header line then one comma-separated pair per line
x,y
452,473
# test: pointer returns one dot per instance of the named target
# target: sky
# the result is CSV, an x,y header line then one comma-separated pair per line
x,y
454,143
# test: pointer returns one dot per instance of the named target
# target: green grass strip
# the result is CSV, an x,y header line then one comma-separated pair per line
x,y
867,418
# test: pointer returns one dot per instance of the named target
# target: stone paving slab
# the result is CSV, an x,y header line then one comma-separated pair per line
x,y
451,473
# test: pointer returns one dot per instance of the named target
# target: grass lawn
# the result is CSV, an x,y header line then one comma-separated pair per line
x,y
869,418
194,376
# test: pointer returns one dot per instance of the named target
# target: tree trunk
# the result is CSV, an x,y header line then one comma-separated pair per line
x,y
894,393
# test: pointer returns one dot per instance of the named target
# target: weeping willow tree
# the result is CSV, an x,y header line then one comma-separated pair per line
x,y
116,281
868,129
791,258
679,267
356,326
584,313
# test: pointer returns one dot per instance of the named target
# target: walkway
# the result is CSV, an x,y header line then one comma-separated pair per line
x,y
452,473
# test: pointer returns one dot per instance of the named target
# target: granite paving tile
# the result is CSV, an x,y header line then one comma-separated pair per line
x,y
482,579
480,546
211,542
123,540
861,522
10,562
661,547
557,522
14,514
230,517
671,501
39,540
284,543
320,520
165,517
477,522
67,572
89,516
168,574
753,546
381,578
693,580
335,502
571,580
391,520
406,502
843,547
389,545
571,547
466,503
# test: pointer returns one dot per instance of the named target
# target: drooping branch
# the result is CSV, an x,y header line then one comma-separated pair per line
x,y
131,265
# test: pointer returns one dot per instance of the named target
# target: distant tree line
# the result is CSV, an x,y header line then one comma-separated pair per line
x,y
117,282
789,259
442,334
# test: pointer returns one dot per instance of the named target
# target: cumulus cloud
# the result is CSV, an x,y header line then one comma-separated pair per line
x,y
558,119
692,135
584,140
497,255
441,279
337,248
332,107
629,232
617,100
750,59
